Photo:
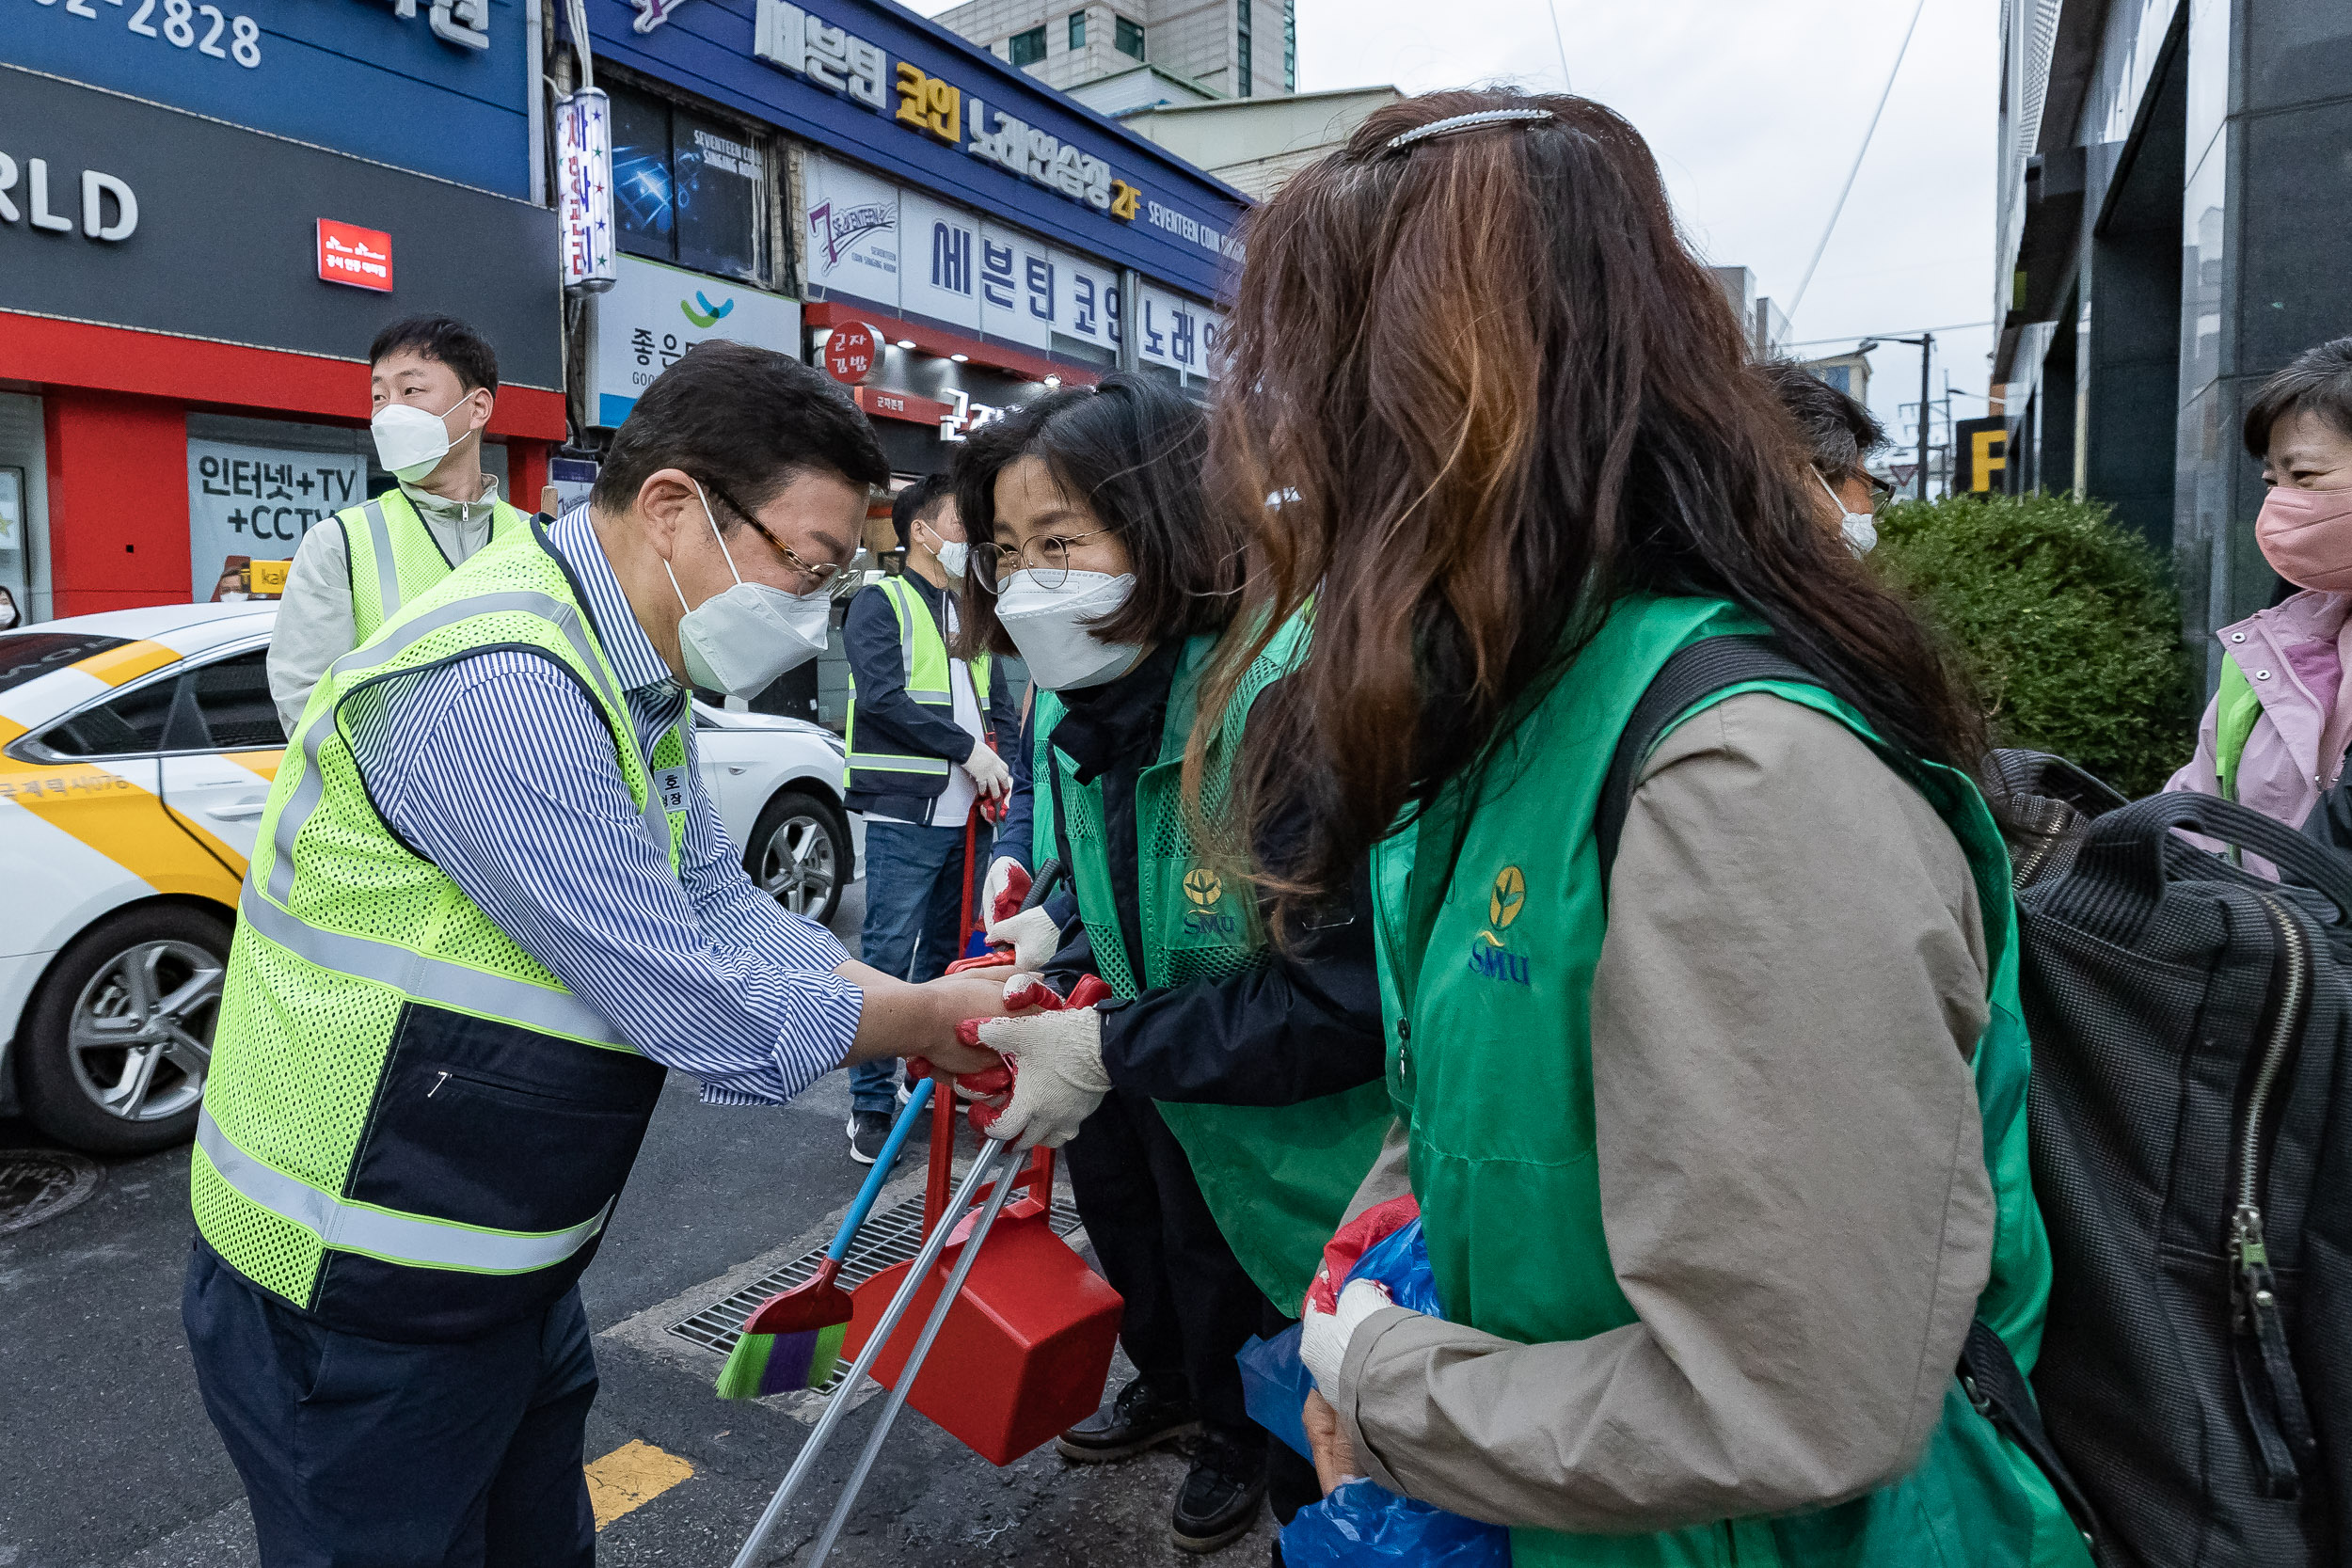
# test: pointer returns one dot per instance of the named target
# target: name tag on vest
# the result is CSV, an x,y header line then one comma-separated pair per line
x,y
670,782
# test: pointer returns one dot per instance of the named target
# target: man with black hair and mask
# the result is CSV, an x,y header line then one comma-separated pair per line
x,y
1839,435
491,904
433,382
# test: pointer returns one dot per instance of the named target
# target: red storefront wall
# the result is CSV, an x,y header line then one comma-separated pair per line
x,y
114,406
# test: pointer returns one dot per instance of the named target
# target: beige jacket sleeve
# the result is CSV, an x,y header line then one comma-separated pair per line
x,y
314,621
1791,1164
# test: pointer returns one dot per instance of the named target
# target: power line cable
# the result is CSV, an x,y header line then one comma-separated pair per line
x,y
1886,336
1834,213
1553,6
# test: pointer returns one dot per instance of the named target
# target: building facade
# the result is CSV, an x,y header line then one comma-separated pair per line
x,y
201,231
940,231
1226,48
2169,172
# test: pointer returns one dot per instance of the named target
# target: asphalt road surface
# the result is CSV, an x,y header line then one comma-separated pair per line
x,y
106,1456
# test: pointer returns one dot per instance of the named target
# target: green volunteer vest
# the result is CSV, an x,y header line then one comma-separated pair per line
x,y
871,768
2235,709
1276,1178
394,557
411,1129
1486,968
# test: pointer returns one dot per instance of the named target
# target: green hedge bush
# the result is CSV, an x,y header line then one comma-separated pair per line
x,y
2069,625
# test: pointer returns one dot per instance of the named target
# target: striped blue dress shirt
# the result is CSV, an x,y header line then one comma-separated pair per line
x,y
500,770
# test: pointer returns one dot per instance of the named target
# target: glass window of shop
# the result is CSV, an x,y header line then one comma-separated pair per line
x,y
688,189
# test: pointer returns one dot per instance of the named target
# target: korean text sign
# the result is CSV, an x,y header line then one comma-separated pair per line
x,y
653,315
256,502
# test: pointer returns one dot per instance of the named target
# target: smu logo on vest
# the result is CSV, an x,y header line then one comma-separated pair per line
x,y
1490,957
1204,890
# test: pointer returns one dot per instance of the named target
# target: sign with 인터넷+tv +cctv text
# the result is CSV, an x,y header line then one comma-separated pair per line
x,y
250,503
654,313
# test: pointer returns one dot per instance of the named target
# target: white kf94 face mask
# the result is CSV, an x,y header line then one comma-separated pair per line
x,y
410,441
1049,627
739,640
1859,529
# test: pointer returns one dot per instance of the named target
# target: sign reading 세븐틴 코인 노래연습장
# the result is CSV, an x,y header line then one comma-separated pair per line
x,y
438,86
912,256
654,313
926,109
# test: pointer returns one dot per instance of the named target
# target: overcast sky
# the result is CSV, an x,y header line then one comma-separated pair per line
x,y
1754,109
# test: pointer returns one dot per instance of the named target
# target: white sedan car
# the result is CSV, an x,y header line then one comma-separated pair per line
x,y
136,751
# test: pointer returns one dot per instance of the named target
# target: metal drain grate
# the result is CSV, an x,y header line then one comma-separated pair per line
x,y
893,1236
38,1185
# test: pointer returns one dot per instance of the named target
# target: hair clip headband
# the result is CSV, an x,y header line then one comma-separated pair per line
x,y
1463,122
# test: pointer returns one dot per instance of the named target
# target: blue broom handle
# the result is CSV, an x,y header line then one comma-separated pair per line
x,y
863,1204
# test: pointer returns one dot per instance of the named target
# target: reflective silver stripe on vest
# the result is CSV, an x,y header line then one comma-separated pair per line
x,y
428,979
387,570
312,787
381,1233
927,696
885,761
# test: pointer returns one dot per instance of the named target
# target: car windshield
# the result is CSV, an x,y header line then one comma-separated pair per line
x,y
29,654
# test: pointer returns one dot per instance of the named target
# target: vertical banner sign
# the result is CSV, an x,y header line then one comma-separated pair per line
x,y
583,128
251,505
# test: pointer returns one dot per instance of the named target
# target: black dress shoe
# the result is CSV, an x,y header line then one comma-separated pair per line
x,y
1221,1497
1140,1418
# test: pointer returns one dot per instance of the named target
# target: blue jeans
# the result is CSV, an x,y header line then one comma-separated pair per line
x,y
912,902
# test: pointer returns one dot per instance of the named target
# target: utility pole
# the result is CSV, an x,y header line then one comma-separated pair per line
x,y
1927,354
1925,343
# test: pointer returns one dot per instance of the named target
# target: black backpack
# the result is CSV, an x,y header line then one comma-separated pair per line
x,y
2191,1122
2191,1024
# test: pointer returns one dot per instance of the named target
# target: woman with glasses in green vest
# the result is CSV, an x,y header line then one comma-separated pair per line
x,y
1719,1152
1227,1101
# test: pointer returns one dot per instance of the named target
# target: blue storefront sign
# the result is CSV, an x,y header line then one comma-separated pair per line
x,y
878,84
437,86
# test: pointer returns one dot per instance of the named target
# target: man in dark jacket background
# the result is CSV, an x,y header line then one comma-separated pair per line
x,y
921,763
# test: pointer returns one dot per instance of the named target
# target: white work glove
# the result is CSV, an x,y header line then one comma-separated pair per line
x,y
1323,1335
1031,933
989,773
999,876
1058,1078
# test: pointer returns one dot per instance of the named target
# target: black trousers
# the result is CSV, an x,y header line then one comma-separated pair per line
x,y
1190,1305
364,1453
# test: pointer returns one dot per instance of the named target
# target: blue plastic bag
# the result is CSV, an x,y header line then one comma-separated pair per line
x,y
1362,1524
1274,1387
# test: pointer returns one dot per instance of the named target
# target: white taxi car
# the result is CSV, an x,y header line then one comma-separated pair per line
x,y
136,751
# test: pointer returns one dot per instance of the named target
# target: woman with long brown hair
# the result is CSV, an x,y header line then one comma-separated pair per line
x,y
1711,1080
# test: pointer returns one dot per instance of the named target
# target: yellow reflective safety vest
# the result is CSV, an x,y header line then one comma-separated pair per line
x,y
412,1130
873,767
394,557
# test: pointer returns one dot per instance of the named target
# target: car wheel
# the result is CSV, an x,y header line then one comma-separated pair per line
x,y
119,1037
799,853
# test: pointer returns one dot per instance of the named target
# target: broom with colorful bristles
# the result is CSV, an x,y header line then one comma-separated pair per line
x,y
794,1339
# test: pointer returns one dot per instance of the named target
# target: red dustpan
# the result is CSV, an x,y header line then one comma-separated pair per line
x,y
1025,1348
